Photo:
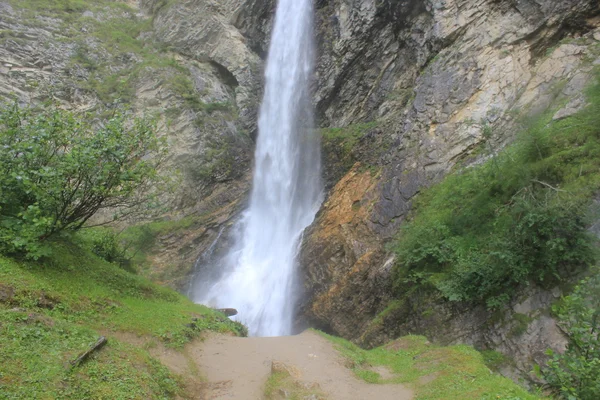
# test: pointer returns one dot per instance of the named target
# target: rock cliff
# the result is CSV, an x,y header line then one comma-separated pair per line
x,y
405,91
436,80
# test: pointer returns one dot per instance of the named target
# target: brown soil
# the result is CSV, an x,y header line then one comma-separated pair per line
x,y
243,365
226,367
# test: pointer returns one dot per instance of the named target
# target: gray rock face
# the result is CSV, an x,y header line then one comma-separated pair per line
x,y
202,29
202,94
442,79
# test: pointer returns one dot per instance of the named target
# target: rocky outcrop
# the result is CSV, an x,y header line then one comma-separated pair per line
x,y
442,79
182,62
203,30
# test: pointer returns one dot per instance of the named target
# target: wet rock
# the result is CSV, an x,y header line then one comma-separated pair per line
x,y
230,312
278,367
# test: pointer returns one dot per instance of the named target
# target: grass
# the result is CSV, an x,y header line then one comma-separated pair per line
x,y
52,310
433,372
282,385
35,363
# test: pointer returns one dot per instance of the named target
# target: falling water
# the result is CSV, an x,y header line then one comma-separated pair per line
x,y
259,270
204,259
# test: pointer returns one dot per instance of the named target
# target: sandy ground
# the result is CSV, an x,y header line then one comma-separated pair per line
x,y
237,368
223,367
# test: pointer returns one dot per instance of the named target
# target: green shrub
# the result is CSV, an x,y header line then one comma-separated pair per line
x,y
520,217
106,244
574,374
57,171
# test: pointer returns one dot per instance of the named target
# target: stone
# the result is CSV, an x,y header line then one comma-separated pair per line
x,y
278,367
570,109
230,312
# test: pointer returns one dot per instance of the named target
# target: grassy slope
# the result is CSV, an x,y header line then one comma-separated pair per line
x,y
434,372
51,311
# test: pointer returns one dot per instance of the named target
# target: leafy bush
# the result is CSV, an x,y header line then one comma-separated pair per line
x,y
574,374
57,170
521,216
106,244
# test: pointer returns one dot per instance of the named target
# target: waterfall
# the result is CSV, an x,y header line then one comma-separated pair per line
x,y
258,272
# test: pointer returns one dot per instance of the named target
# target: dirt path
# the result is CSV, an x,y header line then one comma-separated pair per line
x,y
237,368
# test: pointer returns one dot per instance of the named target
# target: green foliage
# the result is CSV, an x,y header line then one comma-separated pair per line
x,y
433,372
106,244
574,374
522,216
51,311
57,171
493,359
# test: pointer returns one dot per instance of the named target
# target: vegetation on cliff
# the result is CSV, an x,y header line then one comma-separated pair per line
x,y
574,374
522,216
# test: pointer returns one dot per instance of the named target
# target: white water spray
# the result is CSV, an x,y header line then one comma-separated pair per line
x,y
286,194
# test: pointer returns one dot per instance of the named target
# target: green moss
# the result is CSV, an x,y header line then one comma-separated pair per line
x,y
348,136
494,359
341,143
434,372
521,323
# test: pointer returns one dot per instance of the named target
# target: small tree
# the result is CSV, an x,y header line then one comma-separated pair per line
x,y
57,170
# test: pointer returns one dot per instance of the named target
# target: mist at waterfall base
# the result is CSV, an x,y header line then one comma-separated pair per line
x,y
256,276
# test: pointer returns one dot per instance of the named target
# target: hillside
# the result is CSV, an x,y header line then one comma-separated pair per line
x,y
51,311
